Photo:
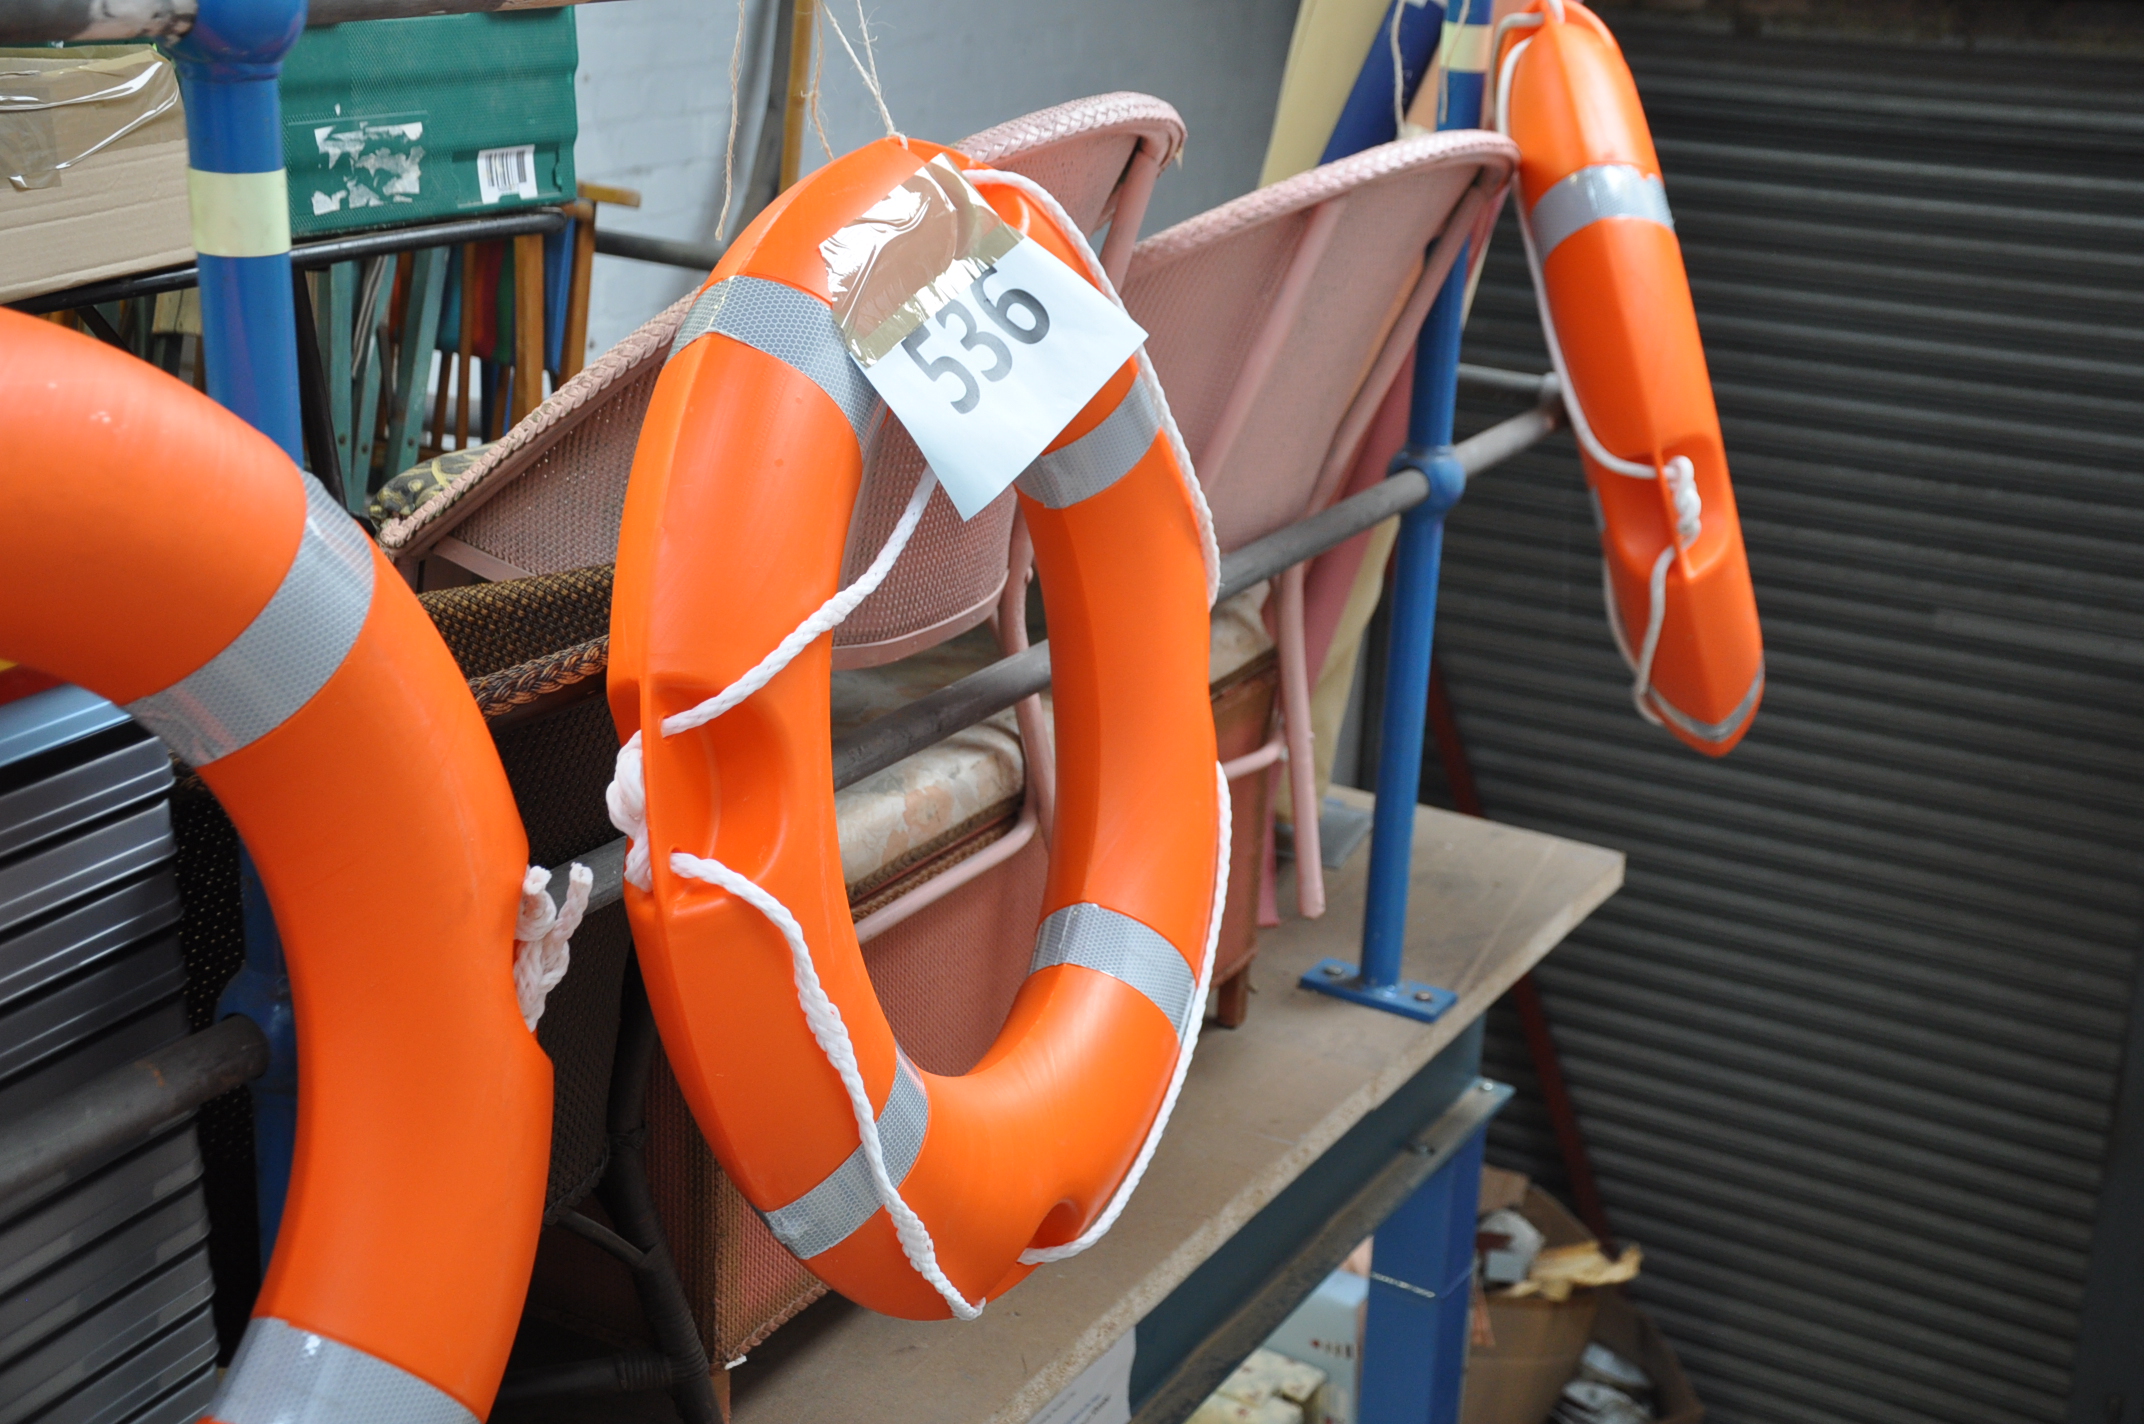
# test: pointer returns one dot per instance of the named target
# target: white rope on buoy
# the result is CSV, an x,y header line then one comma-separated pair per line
x,y
542,935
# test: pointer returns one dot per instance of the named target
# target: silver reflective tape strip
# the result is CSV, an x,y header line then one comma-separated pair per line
x,y
1606,190
284,1375
284,656
830,1213
792,327
1100,939
1097,459
1718,731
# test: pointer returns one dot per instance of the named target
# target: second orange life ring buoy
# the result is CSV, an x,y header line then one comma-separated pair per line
x,y
916,1194
1615,307
262,636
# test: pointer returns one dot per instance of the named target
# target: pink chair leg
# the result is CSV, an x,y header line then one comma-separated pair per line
x,y
1035,744
1268,901
1302,763
1132,196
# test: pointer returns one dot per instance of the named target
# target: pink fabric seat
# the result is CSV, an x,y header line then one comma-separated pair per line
x,y
1277,323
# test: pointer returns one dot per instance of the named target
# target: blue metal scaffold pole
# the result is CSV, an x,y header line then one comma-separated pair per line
x,y
1417,554
228,65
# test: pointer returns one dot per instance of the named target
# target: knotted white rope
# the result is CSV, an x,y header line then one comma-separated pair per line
x,y
542,932
1676,473
627,799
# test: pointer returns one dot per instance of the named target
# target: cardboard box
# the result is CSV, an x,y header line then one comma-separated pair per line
x,y
1326,1331
1538,1342
1268,1388
119,203
1630,1332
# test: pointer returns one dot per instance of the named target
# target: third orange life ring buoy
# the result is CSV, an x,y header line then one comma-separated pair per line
x,y
735,519
265,639
1615,307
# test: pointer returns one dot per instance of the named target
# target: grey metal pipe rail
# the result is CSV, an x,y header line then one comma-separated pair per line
x,y
29,22
129,1102
310,256
107,1113
697,256
880,743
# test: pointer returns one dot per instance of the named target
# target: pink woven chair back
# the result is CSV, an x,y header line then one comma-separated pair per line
x,y
1274,319
549,496
1277,323
1099,158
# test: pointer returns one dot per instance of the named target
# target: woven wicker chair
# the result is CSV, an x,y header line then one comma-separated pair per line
x,y
1277,323
548,497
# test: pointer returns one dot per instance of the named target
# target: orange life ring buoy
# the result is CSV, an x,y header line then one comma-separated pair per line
x,y
259,633
735,518
1615,306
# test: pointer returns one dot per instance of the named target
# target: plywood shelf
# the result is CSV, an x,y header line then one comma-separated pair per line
x,y
1262,1102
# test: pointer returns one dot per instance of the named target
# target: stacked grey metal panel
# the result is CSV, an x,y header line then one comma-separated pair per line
x,y
104,1278
1847,1044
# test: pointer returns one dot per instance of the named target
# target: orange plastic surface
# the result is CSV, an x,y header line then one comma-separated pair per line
x,y
735,522
1620,300
382,826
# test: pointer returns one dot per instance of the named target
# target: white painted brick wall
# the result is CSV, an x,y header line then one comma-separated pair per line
x,y
654,109
654,87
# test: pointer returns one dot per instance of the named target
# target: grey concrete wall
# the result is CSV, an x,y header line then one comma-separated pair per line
x,y
655,99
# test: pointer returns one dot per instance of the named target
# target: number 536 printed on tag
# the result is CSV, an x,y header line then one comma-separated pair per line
x,y
989,380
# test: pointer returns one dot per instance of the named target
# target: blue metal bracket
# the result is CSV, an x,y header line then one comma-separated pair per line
x,y
228,64
1414,1345
1410,998
1376,983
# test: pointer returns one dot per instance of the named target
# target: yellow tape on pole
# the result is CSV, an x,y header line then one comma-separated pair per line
x,y
239,214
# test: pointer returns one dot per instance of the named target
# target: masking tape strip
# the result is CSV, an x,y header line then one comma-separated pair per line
x,y
910,254
1464,49
239,214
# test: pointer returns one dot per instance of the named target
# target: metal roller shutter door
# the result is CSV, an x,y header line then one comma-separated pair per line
x,y
1846,1046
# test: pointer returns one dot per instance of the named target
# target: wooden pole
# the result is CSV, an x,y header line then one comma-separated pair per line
x,y
807,20
528,326
584,263
467,350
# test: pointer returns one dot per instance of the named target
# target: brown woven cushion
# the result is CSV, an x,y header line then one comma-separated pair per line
x,y
492,626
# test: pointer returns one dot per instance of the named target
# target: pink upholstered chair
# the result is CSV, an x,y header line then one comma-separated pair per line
x,y
1277,323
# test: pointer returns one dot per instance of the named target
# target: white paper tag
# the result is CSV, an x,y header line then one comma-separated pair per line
x,y
503,171
1101,1395
992,377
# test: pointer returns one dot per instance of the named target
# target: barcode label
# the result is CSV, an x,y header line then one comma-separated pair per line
x,y
504,171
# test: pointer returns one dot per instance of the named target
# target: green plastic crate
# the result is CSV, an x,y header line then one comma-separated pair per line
x,y
400,121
